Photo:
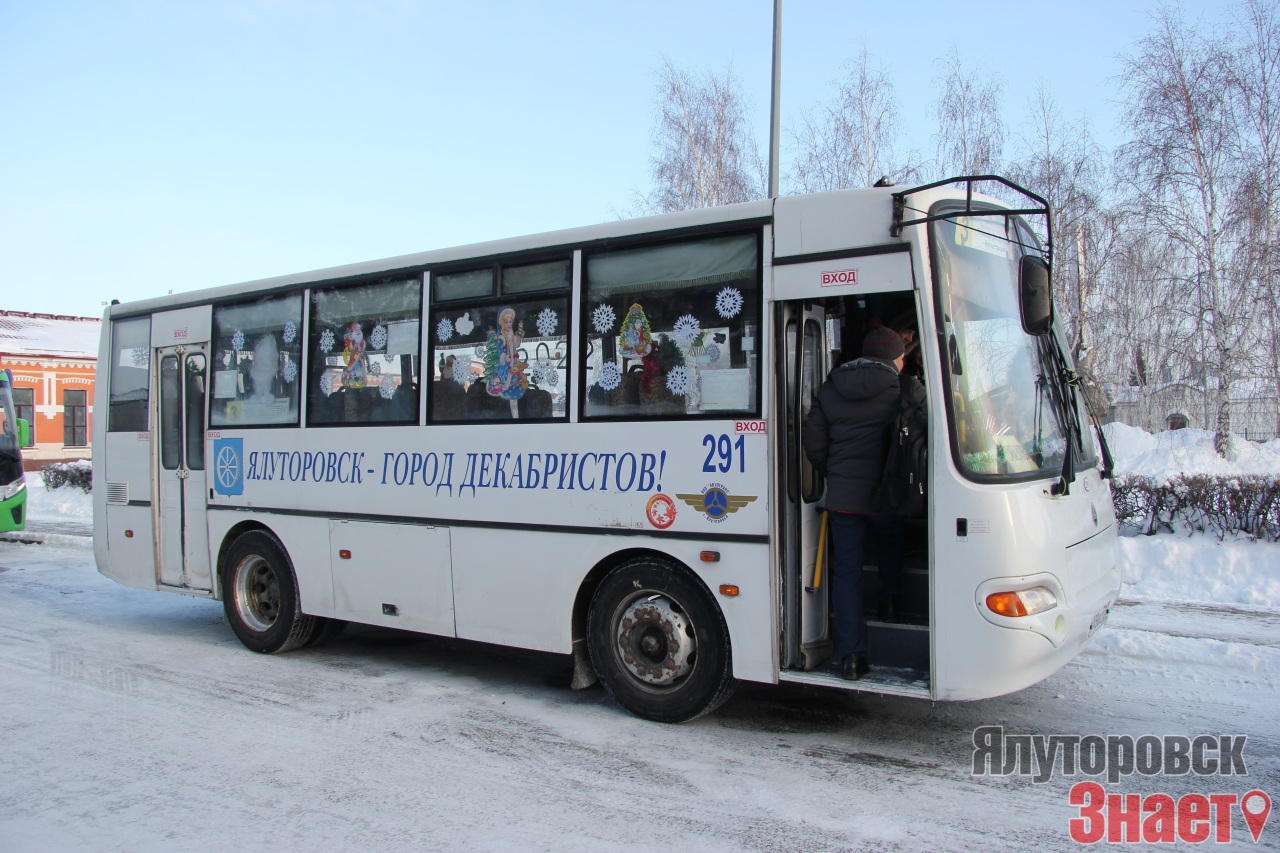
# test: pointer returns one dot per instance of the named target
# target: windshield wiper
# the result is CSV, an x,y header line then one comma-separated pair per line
x,y
1063,394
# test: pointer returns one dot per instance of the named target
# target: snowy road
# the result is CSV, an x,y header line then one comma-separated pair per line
x,y
134,720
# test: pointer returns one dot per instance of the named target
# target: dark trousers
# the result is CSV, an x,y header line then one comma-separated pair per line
x,y
848,547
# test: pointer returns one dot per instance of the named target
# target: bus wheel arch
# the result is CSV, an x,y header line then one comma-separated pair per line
x,y
658,640
260,593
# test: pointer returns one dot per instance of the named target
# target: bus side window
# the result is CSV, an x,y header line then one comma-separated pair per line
x,y
257,358
499,343
364,358
671,329
130,375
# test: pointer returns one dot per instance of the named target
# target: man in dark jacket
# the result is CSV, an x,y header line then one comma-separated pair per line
x,y
845,440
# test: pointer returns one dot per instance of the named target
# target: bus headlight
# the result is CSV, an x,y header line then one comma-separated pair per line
x,y
1023,602
9,490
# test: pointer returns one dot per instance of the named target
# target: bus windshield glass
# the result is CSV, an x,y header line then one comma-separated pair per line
x,y
1008,418
10,454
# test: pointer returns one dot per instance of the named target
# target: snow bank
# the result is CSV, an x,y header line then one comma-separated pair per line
x,y
1186,451
67,502
1199,568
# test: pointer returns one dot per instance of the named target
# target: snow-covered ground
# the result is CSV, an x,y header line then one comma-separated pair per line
x,y
131,720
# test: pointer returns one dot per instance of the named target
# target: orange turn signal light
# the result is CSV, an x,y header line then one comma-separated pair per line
x,y
344,554
728,589
1006,604
128,534
710,556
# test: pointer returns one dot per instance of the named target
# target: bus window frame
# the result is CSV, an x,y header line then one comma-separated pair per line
x,y
670,238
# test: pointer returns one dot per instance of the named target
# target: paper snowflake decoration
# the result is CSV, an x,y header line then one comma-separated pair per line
x,y
728,302
289,372
545,373
375,369
378,337
237,341
547,322
461,369
610,375
479,351
687,329
464,324
387,387
444,330
326,340
290,332
141,356
603,318
326,384
678,381
712,352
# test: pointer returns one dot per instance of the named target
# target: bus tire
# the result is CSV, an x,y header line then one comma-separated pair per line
x,y
659,642
260,595
325,630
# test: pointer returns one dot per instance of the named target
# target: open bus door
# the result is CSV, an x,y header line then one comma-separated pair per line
x,y
181,382
806,638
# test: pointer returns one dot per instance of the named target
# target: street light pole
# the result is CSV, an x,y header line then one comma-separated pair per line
x,y
775,96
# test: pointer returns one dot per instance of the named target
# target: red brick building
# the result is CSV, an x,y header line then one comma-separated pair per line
x,y
53,359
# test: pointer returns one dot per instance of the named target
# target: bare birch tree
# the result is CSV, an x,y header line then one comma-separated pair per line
x,y
1181,171
706,153
971,133
1059,160
850,140
1255,78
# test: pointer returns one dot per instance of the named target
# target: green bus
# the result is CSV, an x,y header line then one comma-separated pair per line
x,y
15,433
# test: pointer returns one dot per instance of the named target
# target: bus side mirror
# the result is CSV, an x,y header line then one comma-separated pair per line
x,y
1036,295
24,432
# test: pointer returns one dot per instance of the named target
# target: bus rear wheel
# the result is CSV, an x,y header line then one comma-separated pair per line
x,y
659,643
260,595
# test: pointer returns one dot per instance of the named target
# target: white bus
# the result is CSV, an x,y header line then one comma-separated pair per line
x,y
589,442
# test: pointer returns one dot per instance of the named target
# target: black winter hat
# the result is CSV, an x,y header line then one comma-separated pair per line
x,y
882,342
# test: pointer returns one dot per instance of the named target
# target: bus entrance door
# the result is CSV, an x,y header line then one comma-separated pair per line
x,y
807,641
182,382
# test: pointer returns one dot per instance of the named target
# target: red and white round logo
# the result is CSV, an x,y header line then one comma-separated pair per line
x,y
661,511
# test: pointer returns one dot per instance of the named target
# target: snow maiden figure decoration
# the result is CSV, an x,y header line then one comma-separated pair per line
x,y
636,338
354,357
503,369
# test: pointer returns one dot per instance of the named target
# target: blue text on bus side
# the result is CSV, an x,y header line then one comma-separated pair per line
x,y
587,472
302,467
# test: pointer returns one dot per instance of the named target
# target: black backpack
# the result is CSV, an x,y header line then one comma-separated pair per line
x,y
906,451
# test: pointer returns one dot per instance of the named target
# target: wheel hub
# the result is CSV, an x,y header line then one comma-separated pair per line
x,y
257,593
656,641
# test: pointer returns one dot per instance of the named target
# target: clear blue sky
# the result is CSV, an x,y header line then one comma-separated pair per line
x,y
156,145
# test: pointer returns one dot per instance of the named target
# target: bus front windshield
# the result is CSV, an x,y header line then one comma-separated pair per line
x,y
1007,416
10,454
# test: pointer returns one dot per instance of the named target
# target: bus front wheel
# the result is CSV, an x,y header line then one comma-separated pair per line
x,y
659,643
260,595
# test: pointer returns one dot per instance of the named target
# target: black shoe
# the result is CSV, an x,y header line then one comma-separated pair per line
x,y
854,667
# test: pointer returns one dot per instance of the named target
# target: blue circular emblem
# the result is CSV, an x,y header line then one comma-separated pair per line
x,y
715,503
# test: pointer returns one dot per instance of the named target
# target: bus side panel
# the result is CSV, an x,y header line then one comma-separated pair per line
x,y
306,539
517,588
397,575
128,536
